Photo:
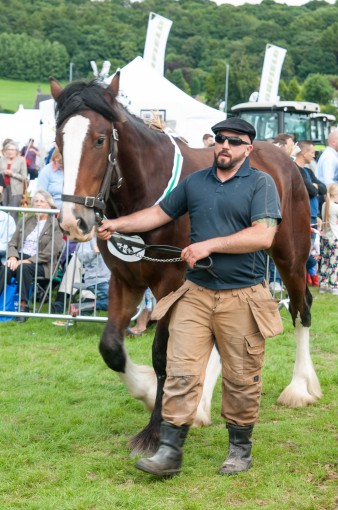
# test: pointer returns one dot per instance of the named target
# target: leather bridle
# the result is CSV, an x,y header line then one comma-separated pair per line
x,y
99,202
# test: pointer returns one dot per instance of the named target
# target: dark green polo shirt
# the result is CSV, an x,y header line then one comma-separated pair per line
x,y
219,209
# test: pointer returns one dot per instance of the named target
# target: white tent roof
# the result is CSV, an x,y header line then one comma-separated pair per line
x,y
142,90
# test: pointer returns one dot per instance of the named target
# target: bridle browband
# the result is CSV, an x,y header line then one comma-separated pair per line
x,y
99,202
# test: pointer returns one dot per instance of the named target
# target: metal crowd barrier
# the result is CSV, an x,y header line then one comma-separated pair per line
x,y
41,298
41,295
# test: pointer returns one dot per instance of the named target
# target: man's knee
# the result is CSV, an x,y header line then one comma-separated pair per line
x,y
240,403
182,393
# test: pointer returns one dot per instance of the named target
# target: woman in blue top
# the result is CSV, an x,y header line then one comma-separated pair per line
x,y
51,177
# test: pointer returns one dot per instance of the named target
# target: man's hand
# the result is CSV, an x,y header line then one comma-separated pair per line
x,y
195,252
140,221
105,230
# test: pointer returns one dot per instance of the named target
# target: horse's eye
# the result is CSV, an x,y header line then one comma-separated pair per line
x,y
100,141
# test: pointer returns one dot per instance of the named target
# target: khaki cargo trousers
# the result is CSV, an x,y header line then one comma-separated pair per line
x,y
238,320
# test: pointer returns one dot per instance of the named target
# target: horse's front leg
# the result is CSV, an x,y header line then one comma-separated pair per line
x,y
147,440
123,301
140,380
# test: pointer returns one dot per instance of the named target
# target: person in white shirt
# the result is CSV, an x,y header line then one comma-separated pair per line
x,y
7,229
327,168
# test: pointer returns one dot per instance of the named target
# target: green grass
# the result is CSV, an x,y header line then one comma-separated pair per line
x,y
66,420
14,93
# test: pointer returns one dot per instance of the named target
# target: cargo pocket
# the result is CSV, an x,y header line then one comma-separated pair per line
x,y
267,317
164,304
255,347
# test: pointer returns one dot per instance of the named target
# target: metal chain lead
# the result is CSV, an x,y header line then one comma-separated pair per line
x,y
150,259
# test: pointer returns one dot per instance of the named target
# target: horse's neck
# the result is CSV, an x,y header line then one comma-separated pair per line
x,y
146,167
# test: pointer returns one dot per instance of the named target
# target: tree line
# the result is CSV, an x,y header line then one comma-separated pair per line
x,y
39,38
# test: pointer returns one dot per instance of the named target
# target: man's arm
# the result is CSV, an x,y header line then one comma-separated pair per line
x,y
141,221
320,185
257,237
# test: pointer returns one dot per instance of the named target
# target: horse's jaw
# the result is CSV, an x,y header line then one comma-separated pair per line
x,y
82,238
77,235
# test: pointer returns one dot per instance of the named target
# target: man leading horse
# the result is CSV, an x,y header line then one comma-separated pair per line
x,y
234,212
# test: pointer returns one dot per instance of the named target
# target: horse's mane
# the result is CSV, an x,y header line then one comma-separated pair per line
x,y
80,96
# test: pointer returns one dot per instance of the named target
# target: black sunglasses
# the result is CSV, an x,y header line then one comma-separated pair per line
x,y
233,140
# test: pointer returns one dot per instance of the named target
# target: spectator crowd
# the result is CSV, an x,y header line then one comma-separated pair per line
x,y
26,245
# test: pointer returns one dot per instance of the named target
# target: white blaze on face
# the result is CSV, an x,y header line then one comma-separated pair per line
x,y
74,134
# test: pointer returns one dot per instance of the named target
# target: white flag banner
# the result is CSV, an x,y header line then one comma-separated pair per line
x,y
156,41
273,62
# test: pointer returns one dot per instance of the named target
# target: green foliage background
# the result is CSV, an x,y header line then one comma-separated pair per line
x,y
39,38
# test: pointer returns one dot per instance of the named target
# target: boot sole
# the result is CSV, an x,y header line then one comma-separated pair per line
x,y
152,471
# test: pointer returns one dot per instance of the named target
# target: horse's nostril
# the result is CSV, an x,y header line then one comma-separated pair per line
x,y
83,226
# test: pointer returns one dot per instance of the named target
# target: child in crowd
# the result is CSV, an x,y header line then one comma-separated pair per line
x,y
329,246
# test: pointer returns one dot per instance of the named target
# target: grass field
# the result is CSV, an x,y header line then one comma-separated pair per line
x,y
13,93
66,420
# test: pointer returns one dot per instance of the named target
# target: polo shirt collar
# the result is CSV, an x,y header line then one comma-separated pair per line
x,y
243,171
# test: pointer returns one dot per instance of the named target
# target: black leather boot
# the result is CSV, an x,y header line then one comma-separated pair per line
x,y
168,458
240,444
58,305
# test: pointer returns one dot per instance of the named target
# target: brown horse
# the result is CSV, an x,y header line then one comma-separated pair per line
x,y
113,161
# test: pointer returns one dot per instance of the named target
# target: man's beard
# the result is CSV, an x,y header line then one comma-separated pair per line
x,y
228,164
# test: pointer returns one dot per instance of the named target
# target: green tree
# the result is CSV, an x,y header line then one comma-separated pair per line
x,y
293,90
203,37
317,88
25,58
195,85
177,79
283,90
329,39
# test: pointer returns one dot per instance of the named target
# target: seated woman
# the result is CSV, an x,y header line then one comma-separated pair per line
x,y
30,249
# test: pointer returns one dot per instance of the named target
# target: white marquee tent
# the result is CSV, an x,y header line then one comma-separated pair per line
x,y
24,124
142,90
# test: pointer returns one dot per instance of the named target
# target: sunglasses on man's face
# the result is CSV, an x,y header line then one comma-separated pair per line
x,y
233,140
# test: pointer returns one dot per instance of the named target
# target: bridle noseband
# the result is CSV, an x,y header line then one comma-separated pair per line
x,y
99,202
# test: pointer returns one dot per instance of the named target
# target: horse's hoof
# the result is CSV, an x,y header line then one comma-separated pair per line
x,y
290,398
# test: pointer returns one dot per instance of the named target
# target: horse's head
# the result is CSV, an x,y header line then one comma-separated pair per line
x,y
87,139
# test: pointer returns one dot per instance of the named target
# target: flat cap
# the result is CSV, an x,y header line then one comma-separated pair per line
x,y
236,125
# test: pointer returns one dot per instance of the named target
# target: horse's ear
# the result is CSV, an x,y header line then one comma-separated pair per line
x,y
55,88
115,84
